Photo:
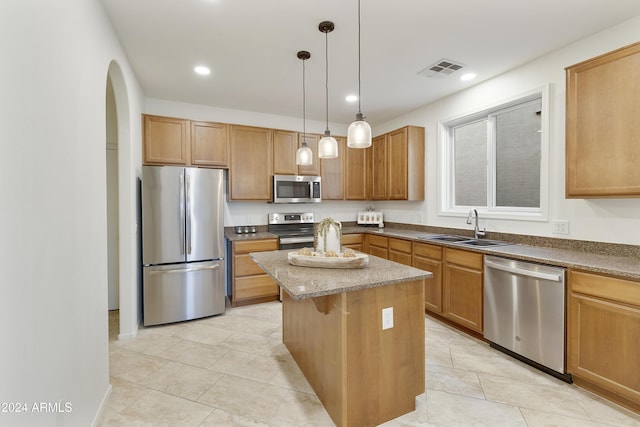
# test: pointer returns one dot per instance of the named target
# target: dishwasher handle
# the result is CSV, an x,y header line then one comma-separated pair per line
x,y
525,272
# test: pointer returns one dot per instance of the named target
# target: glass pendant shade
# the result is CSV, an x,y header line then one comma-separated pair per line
x,y
304,156
359,133
327,147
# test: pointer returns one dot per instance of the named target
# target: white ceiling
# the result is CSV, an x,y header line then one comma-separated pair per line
x,y
251,47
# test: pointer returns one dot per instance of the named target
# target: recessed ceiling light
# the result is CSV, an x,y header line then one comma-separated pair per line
x,y
351,98
202,70
468,76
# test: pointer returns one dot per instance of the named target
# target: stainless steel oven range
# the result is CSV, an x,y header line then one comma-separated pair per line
x,y
294,229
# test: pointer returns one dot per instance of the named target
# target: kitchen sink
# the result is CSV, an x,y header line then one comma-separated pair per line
x,y
483,243
465,241
450,239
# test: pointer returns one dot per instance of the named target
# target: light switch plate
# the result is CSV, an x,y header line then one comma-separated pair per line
x,y
387,318
560,226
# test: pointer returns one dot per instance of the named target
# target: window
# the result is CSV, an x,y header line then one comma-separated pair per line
x,y
494,160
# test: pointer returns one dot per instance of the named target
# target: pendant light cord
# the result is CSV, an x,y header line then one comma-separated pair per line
x,y
359,105
326,76
304,108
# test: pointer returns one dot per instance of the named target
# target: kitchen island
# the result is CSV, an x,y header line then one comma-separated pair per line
x,y
356,334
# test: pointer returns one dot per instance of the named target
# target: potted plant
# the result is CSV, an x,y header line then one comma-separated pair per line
x,y
328,234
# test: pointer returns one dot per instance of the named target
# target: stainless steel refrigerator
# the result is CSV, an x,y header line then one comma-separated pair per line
x,y
182,243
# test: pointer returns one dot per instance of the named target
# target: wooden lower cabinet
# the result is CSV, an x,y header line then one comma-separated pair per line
x,y
462,288
362,374
429,257
250,283
352,241
399,250
377,245
603,348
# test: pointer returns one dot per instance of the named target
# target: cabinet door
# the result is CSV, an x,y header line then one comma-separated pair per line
x,y
355,173
400,250
251,163
285,145
463,296
166,140
312,142
429,258
602,125
332,173
397,171
463,288
379,168
603,328
250,283
209,144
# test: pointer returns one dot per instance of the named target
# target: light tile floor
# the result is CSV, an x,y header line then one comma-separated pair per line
x,y
233,370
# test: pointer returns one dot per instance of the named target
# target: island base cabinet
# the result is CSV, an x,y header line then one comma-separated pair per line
x,y
362,374
604,336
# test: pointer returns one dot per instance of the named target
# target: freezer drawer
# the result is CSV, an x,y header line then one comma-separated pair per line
x,y
177,292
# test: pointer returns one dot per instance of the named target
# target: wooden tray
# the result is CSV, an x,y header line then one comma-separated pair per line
x,y
360,260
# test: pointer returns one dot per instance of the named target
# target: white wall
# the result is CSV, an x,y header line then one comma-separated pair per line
x,y
53,275
607,220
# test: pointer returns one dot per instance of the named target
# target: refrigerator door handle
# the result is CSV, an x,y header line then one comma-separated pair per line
x,y
182,213
188,178
184,270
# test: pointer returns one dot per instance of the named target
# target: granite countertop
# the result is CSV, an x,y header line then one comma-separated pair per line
x,y
260,235
307,282
621,266
626,265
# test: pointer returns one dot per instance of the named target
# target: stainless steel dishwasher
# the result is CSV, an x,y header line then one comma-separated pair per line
x,y
524,312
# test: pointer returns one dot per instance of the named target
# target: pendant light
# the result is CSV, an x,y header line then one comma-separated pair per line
x,y
359,132
304,155
327,146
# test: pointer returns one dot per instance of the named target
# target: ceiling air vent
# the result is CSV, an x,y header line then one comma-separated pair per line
x,y
442,68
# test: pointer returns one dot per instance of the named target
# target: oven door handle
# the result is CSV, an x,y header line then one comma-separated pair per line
x,y
301,239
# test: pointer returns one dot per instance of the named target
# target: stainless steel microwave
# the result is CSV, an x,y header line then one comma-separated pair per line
x,y
296,189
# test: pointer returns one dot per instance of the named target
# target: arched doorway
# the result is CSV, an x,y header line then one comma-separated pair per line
x,y
121,184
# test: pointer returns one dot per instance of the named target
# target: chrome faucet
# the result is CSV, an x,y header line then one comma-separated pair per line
x,y
477,233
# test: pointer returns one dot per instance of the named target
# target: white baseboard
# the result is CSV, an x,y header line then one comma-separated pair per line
x,y
103,405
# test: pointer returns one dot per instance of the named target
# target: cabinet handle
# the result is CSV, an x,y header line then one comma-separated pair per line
x,y
184,270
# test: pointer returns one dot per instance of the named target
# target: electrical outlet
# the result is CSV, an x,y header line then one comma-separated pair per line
x,y
387,318
560,226
419,217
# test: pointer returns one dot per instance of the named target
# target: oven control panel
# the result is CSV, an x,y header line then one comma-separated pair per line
x,y
291,218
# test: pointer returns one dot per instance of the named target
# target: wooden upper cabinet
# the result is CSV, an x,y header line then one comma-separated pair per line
x,y
379,168
332,173
355,173
173,141
602,126
165,140
405,164
285,145
209,144
312,142
251,163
